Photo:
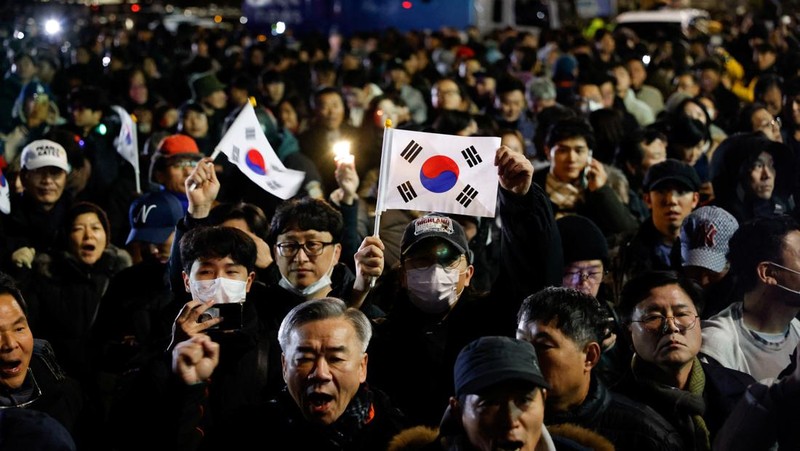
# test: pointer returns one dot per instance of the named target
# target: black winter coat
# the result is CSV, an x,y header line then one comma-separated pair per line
x,y
412,353
629,424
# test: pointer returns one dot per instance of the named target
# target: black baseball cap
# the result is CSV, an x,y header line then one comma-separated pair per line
x,y
489,361
434,225
671,170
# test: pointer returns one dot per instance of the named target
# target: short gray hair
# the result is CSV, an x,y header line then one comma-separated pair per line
x,y
321,309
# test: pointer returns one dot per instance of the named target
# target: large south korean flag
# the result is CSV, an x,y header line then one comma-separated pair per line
x,y
441,173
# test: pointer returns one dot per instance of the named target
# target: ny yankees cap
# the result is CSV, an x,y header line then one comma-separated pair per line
x,y
153,217
704,238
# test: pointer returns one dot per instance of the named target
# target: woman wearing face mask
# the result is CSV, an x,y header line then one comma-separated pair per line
x,y
689,140
433,310
65,288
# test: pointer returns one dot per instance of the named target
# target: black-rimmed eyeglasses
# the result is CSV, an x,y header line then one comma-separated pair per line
x,y
311,248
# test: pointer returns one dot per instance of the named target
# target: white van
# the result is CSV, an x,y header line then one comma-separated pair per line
x,y
667,23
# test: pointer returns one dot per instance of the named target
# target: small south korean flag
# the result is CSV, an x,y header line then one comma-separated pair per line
x,y
442,173
246,146
5,199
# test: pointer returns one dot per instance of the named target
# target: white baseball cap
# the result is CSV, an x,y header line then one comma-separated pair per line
x,y
43,152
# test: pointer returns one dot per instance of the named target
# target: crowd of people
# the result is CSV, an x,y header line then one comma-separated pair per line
x,y
637,289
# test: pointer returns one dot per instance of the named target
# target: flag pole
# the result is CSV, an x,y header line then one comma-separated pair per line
x,y
138,182
383,177
213,157
252,101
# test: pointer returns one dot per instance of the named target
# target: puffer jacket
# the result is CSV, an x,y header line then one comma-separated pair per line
x,y
64,296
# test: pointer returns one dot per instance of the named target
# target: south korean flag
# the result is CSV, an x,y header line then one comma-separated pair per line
x,y
442,173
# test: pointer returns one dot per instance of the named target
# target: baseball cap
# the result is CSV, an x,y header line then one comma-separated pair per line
x,y
205,84
178,144
153,217
434,225
493,360
671,170
43,152
704,238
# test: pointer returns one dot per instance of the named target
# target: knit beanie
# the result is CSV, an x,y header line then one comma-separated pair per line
x,y
581,239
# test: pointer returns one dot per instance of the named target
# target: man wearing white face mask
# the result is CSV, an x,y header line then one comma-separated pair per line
x,y
433,311
437,263
758,335
218,270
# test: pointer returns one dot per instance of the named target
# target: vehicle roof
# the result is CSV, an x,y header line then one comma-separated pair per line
x,y
683,16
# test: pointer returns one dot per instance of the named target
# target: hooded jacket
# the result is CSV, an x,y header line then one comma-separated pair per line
x,y
730,166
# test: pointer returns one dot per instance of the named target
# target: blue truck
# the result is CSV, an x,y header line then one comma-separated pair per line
x,y
350,16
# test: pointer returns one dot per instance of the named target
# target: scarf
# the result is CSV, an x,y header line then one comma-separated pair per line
x,y
563,195
678,402
359,413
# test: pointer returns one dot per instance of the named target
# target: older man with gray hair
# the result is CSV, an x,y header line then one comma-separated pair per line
x,y
325,406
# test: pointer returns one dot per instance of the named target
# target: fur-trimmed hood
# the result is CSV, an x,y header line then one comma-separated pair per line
x,y
423,438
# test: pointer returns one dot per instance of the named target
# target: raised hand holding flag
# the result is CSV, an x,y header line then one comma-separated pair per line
x,y
246,146
442,173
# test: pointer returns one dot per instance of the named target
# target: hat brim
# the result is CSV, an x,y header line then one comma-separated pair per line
x,y
685,181
446,238
59,165
188,155
498,376
706,258
155,235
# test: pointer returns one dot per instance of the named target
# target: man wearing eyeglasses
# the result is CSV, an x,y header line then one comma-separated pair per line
x,y
586,260
174,160
566,327
758,334
307,236
661,311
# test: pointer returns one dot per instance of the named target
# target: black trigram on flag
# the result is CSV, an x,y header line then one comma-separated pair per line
x,y
411,151
273,184
235,155
250,133
471,155
407,192
466,195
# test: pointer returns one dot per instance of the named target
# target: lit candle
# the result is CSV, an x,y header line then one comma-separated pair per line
x,y
341,153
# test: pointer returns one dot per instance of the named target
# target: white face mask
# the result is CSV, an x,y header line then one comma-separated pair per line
x,y
222,290
589,105
433,289
791,271
321,283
